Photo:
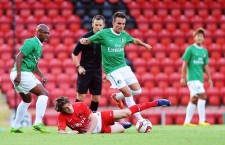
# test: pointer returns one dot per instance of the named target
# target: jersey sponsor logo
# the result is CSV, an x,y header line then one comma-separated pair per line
x,y
79,124
198,61
115,49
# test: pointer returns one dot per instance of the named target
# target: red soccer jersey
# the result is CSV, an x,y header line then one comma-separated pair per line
x,y
76,121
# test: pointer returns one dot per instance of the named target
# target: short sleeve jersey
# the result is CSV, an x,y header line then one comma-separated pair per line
x,y
112,46
32,50
76,121
196,57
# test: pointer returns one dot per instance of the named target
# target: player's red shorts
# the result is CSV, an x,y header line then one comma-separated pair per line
x,y
107,121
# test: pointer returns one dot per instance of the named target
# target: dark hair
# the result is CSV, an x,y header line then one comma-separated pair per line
x,y
60,102
199,31
98,17
119,15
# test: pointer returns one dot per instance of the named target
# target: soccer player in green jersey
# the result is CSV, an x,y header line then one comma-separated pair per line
x,y
195,62
120,75
26,83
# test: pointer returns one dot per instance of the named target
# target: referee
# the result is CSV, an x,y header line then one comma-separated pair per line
x,y
89,67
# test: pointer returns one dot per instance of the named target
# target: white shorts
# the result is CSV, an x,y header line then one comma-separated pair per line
x,y
122,77
196,87
98,127
28,82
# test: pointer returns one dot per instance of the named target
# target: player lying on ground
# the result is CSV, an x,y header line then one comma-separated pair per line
x,y
80,119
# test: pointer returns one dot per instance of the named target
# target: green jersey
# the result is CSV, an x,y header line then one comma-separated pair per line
x,y
112,46
32,50
196,57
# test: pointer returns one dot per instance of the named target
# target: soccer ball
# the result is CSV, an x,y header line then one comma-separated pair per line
x,y
143,126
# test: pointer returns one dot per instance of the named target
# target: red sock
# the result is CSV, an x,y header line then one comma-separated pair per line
x,y
142,106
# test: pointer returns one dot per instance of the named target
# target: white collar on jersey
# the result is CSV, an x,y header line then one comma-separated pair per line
x,y
39,41
199,47
114,32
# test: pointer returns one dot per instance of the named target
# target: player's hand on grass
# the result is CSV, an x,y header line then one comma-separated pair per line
x,y
72,132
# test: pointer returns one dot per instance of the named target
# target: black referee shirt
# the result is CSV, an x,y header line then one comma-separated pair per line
x,y
91,54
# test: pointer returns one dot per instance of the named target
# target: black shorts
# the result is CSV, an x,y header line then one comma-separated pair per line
x,y
92,81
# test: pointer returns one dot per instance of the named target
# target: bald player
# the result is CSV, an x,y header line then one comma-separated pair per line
x,y
25,82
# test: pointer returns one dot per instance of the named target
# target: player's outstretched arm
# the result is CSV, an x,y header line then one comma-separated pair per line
x,y
69,132
85,41
139,42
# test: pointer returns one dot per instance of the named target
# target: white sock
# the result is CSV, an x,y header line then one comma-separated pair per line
x,y
189,112
201,110
41,105
21,111
130,102
119,96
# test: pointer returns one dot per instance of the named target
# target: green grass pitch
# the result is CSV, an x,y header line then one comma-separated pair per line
x,y
160,135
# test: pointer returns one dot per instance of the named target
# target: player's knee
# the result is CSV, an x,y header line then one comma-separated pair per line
x,y
136,92
194,100
126,113
81,97
27,99
95,98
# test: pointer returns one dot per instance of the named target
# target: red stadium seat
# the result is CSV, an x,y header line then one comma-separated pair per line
x,y
143,24
141,70
132,56
178,37
170,23
162,12
203,12
148,12
139,62
52,10
56,66
38,10
54,94
134,8
24,10
157,93
197,22
212,92
219,80
214,100
216,13
189,13
175,13
146,56
175,80
5,24
162,80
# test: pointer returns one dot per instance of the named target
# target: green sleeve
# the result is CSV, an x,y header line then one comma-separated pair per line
x,y
187,54
97,38
206,60
27,47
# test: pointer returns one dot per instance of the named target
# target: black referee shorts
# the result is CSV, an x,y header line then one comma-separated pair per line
x,y
92,81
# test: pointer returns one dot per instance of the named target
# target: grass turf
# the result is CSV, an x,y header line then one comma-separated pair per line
x,y
160,135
